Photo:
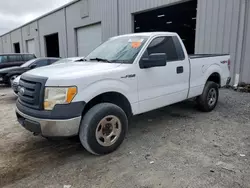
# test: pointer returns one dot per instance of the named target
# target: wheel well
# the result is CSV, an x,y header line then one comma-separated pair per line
x,y
110,97
12,74
215,77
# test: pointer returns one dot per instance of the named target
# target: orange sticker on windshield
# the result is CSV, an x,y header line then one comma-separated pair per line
x,y
136,44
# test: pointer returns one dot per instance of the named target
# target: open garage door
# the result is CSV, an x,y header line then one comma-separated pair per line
x,y
31,46
52,45
88,38
179,18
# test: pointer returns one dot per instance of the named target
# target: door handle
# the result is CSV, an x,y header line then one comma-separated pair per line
x,y
179,70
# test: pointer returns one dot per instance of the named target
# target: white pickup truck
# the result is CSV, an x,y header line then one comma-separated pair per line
x,y
125,76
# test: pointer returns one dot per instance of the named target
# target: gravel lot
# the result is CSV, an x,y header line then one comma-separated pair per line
x,y
176,146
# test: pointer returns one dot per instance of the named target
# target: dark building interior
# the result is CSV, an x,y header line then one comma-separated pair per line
x,y
179,18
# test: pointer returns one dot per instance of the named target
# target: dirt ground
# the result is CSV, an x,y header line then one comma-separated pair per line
x,y
176,146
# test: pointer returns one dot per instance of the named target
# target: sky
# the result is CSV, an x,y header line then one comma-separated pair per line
x,y
14,13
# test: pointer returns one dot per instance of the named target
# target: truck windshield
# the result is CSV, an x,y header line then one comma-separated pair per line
x,y
118,50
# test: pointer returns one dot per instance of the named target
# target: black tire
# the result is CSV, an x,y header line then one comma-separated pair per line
x,y
91,121
203,100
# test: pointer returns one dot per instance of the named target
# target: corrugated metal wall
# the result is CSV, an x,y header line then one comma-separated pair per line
x,y
30,32
224,27
6,43
128,7
245,56
16,37
54,23
1,45
218,28
99,11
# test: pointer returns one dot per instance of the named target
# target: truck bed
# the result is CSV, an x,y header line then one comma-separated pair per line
x,y
195,56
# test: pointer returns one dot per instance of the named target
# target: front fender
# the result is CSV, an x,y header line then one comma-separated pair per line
x,y
104,86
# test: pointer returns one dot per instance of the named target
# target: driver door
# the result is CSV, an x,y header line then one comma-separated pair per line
x,y
164,85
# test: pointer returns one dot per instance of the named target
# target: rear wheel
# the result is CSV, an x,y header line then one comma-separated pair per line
x,y
103,128
209,98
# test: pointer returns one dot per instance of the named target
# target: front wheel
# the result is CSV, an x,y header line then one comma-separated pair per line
x,y
209,98
103,128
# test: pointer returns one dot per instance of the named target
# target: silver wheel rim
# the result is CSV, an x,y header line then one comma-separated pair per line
x,y
212,97
108,130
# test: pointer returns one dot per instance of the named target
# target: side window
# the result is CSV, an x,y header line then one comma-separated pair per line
x,y
164,45
15,58
3,59
41,63
179,48
27,57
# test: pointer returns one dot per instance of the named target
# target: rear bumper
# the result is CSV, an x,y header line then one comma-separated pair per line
x,y
228,81
225,82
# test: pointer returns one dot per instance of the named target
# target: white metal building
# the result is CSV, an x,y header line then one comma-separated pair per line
x,y
206,26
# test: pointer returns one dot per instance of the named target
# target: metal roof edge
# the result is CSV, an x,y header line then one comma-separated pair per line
x,y
42,16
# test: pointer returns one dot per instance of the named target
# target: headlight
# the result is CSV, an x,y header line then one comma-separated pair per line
x,y
58,95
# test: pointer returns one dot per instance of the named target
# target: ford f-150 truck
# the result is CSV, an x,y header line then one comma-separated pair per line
x,y
125,76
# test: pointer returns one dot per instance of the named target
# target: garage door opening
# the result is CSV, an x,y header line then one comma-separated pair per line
x,y
30,46
52,45
180,18
17,47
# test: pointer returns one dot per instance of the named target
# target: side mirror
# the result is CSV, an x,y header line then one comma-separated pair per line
x,y
154,60
33,66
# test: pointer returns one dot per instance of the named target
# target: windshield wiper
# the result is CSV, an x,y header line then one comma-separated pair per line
x,y
80,60
100,59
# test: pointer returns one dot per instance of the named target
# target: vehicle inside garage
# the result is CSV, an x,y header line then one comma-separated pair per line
x,y
180,18
52,45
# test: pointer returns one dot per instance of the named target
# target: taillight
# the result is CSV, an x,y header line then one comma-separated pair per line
x,y
229,64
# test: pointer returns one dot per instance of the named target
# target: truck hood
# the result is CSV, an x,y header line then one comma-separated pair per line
x,y
72,70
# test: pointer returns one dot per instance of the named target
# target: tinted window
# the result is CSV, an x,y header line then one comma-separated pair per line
x,y
28,63
179,48
163,45
41,63
51,61
28,57
14,58
3,59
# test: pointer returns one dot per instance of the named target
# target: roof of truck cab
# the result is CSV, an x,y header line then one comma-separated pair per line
x,y
147,34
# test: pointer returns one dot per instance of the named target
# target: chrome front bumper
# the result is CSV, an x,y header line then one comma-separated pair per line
x,y
48,127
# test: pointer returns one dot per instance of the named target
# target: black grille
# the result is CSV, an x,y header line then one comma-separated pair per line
x,y
31,91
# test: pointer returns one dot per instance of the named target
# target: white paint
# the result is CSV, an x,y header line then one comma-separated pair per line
x,y
202,68
30,45
88,38
150,89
